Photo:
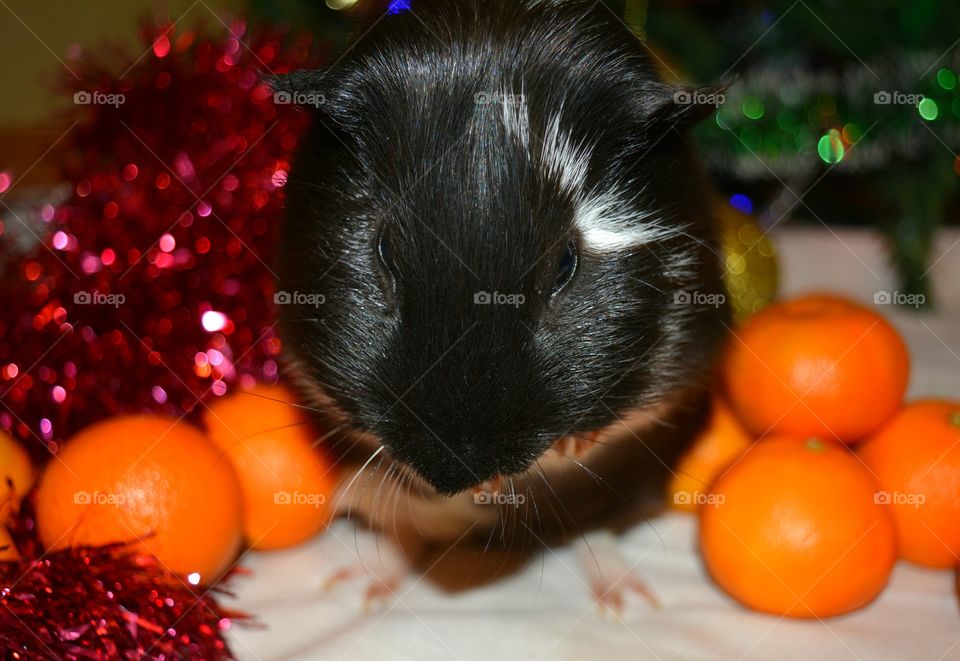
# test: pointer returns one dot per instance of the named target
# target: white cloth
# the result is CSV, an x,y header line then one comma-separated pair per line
x,y
546,611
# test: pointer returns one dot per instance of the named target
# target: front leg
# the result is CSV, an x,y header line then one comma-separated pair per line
x,y
383,574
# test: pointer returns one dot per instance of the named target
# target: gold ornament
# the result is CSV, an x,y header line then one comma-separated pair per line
x,y
751,270
635,16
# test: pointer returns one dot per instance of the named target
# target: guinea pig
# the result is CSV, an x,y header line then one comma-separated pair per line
x,y
497,236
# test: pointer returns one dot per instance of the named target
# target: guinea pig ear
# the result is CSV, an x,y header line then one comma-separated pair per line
x,y
683,107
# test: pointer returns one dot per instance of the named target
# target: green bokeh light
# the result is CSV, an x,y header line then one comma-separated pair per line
x,y
831,147
947,79
722,119
752,107
928,109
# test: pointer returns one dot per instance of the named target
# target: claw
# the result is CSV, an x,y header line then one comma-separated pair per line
x,y
342,575
610,598
380,592
383,578
609,576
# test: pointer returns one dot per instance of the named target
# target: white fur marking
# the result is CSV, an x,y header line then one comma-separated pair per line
x,y
562,159
608,222
516,117
558,156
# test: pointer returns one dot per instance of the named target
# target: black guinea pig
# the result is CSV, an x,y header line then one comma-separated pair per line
x,y
497,234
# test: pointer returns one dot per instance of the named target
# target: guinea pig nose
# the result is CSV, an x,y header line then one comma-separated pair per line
x,y
453,482
449,469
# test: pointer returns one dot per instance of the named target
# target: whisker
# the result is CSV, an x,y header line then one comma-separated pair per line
x,y
398,492
378,504
356,477
572,520
543,556
375,500
327,435
596,478
289,425
280,401
546,482
486,546
416,523
630,504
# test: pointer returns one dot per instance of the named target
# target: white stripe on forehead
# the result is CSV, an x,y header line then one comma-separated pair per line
x,y
562,159
557,153
516,117
607,221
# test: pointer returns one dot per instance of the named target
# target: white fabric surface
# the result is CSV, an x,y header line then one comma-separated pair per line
x,y
546,611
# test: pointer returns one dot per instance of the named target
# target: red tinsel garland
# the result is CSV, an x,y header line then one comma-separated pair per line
x,y
154,290
104,603
151,291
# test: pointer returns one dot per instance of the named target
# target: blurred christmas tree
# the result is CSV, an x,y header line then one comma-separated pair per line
x,y
837,113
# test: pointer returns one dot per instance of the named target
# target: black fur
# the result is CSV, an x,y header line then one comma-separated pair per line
x,y
402,149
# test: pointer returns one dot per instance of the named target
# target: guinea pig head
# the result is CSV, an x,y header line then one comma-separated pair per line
x,y
497,238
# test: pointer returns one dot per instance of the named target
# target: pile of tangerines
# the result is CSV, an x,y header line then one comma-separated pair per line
x,y
192,496
813,475
810,480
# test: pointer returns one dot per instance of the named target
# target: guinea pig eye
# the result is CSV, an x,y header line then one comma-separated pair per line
x,y
384,253
567,267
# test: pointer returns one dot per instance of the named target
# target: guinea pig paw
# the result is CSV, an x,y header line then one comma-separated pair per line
x,y
383,579
610,577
